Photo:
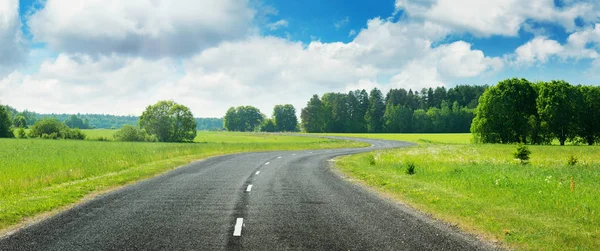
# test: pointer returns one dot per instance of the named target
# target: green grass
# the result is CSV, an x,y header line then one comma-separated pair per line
x,y
483,189
37,175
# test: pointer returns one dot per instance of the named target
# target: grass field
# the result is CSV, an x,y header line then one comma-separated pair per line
x,y
41,175
482,189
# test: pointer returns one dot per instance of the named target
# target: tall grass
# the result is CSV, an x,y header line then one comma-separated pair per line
x,y
40,175
545,205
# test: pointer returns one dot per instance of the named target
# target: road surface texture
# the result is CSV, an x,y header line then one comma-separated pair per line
x,y
250,201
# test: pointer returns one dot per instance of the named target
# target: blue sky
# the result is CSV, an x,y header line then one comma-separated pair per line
x,y
119,56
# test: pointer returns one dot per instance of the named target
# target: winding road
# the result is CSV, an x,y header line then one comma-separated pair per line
x,y
252,201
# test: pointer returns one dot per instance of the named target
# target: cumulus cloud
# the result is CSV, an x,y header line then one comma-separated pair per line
x,y
149,28
582,44
118,59
12,48
79,83
498,17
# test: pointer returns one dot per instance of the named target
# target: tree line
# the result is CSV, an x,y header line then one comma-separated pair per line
x,y
400,111
250,118
97,121
519,111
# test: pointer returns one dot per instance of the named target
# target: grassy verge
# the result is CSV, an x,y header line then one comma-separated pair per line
x,y
546,205
37,176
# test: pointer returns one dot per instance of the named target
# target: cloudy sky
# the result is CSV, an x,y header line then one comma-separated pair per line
x,y
117,57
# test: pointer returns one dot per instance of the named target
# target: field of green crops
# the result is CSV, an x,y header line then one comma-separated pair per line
x,y
545,205
38,175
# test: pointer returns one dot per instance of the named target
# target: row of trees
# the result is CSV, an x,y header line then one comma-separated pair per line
x,y
401,111
249,118
27,118
518,111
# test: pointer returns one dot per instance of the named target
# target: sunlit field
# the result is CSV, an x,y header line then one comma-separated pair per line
x,y
41,175
544,205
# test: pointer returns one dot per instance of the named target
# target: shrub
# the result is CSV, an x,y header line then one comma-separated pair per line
x,y
54,129
572,160
73,134
5,124
132,133
410,168
21,133
522,153
371,159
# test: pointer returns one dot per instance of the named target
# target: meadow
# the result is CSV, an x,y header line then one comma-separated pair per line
x,y
547,204
38,176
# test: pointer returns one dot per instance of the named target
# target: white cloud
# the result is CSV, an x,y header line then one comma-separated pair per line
x,y
538,49
582,44
352,33
78,83
12,48
277,25
497,17
253,70
341,23
153,28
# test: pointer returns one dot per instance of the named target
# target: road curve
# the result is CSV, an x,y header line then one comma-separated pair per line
x,y
252,201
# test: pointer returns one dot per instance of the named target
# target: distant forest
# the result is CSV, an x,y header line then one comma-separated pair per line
x,y
104,121
400,111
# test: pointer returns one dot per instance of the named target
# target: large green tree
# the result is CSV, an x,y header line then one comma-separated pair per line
x,y
5,124
589,114
374,115
169,122
504,111
313,116
243,119
284,117
557,106
76,122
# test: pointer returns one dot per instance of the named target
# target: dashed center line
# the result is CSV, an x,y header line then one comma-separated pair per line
x,y
249,188
257,173
279,157
293,154
237,231
267,163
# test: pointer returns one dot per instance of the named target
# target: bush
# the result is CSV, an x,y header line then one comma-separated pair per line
x,y
572,160
522,153
21,133
133,134
54,129
371,159
410,168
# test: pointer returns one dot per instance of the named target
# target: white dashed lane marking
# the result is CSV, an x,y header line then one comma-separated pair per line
x,y
249,188
267,163
237,231
257,173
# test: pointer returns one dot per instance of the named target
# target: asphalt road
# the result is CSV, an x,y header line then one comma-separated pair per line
x,y
252,201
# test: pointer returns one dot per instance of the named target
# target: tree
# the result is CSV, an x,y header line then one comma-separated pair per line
x,y
503,113
284,117
76,122
231,121
589,119
5,124
420,121
169,122
268,126
20,122
374,115
312,115
556,105
243,119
